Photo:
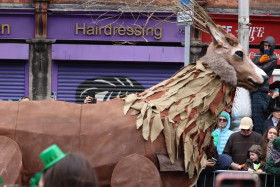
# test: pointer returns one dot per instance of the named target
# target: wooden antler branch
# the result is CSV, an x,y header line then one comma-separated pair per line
x,y
199,16
197,13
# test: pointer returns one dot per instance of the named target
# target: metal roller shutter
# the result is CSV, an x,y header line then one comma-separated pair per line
x,y
12,80
109,79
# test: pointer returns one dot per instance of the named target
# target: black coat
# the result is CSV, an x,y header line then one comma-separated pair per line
x,y
269,66
267,123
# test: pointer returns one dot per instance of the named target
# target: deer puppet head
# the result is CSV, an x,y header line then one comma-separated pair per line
x,y
227,49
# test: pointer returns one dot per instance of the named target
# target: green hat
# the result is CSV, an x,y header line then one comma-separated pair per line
x,y
1,180
51,155
35,180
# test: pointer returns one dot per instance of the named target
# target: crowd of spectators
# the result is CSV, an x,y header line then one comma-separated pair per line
x,y
256,147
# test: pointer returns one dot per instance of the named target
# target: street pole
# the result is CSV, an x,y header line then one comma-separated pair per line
x,y
243,24
242,102
184,18
187,44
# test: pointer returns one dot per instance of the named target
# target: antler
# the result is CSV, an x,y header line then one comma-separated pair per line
x,y
197,13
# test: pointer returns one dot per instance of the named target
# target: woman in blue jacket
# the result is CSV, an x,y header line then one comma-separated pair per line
x,y
222,133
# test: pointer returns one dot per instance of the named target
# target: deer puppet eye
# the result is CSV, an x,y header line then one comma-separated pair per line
x,y
239,53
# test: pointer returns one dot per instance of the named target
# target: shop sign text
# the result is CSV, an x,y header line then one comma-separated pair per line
x,y
5,28
110,30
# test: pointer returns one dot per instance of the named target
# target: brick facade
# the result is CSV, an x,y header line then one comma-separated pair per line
x,y
265,5
270,5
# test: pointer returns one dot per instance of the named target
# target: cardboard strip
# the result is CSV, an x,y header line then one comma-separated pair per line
x,y
188,104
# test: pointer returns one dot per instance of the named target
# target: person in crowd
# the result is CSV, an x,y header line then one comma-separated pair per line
x,y
212,164
24,99
216,138
254,162
274,97
239,143
53,96
267,61
273,163
273,121
90,99
222,131
225,161
268,137
68,170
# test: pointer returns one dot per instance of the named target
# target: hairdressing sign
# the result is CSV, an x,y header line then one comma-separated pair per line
x,y
127,28
20,25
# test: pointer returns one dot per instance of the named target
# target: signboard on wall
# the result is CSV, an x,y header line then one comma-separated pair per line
x,y
18,25
115,27
261,26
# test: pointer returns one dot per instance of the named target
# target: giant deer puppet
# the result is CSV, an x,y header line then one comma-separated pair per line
x,y
155,138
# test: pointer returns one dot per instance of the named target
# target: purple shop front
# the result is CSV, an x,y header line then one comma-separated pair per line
x,y
14,68
105,64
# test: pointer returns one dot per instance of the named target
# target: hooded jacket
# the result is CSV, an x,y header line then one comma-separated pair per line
x,y
269,66
224,134
273,163
249,164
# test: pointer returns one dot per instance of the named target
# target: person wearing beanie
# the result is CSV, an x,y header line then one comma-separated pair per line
x,y
267,61
273,163
255,162
239,143
222,133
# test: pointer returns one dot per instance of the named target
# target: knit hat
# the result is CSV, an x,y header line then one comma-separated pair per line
x,y
226,115
256,149
245,123
225,161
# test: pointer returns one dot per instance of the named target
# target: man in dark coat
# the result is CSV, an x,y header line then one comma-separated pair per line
x,y
267,61
239,143
273,121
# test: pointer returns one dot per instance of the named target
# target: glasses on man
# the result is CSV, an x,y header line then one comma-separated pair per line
x,y
222,120
247,130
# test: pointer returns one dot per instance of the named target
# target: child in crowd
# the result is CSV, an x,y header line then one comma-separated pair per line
x,y
255,162
268,137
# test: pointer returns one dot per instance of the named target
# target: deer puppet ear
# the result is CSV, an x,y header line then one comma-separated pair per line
x,y
218,36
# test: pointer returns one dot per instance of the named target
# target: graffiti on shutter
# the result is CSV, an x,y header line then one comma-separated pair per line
x,y
108,87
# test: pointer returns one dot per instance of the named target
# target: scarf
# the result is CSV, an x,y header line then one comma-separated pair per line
x,y
275,155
